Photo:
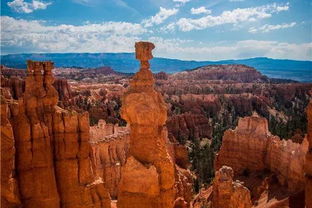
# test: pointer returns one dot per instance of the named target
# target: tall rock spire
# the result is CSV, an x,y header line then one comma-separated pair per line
x,y
148,177
53,157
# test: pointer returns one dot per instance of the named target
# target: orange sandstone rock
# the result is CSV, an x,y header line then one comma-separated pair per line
x,y
251,147
227,193
145,110
9,188
53,154
110,146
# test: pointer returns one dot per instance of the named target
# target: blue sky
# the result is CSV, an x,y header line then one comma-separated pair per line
x,y
183,29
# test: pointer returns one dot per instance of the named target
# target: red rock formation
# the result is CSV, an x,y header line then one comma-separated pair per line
x,y
110,145
9,188
161,76
308,164
224,193
227,193
15,84
186,126
203,198
64,91
148,177
53,158
251,147
13,79
237,73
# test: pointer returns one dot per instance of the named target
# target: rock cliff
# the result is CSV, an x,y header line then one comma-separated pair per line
x,y
9,187
53,154
189,126
110,145
251,147
234,72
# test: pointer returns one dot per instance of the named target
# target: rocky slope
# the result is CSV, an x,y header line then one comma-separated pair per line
x,y
235,73
52,152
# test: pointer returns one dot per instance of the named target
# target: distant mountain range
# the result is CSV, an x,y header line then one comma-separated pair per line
x,y
125,62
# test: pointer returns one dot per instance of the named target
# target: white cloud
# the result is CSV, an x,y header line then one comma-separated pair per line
x,y
267,28
35,36
231,17
200,10
28,7
121,36
160,17
181,49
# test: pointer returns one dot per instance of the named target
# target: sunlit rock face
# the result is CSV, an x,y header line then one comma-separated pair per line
x,y
52,150
148,176
225,192
228,193
251,147
110,145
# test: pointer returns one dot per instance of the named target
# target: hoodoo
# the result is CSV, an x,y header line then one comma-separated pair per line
x,y
50,147
148,177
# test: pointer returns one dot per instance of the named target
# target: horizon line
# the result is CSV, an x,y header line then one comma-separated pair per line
x,y
230,59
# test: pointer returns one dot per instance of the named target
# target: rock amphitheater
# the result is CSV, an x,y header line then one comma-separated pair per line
x,y
52,158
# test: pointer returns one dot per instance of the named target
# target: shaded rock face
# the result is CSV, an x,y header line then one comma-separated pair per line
x,y
228,193
64,91
110,146
53,154
9,188
308,164
189,126
15,85
148,177
251,147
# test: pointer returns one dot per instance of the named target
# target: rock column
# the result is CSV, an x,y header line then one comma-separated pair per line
x,y
53,154
148,177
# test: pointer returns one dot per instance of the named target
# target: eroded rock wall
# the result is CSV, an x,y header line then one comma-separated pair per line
x,y
228,193
9,186
251,147
110,145
53,154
